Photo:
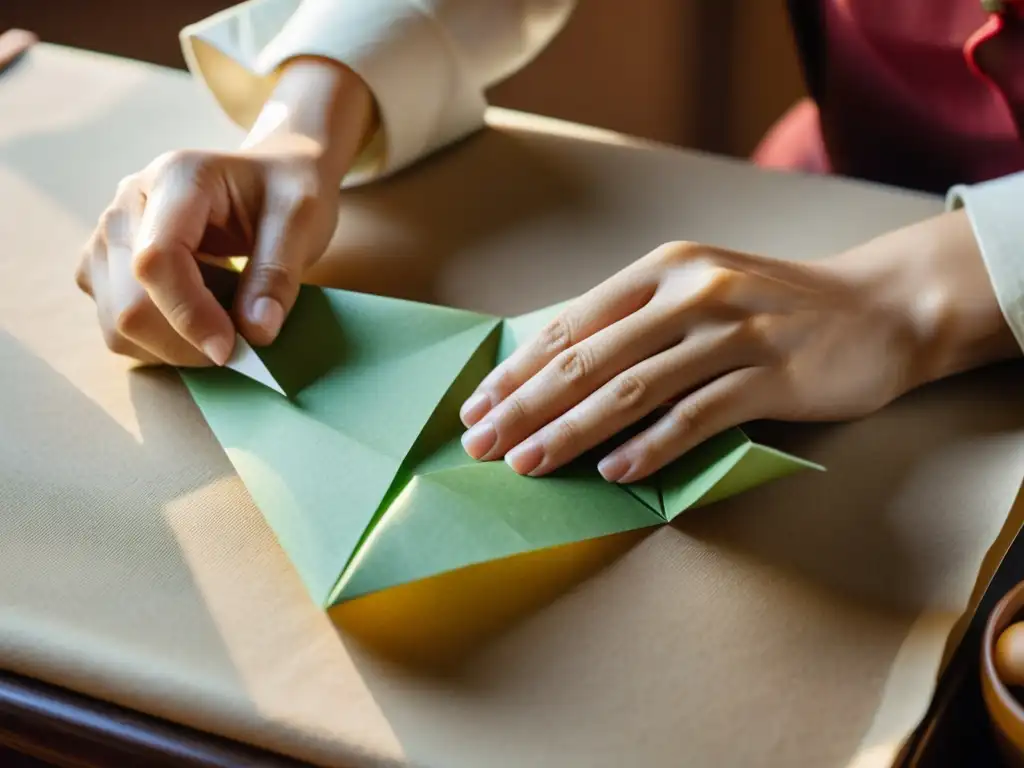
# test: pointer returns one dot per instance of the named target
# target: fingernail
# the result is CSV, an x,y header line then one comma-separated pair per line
x,y
268,314
475,408
525,457
479,440
613,468
217,349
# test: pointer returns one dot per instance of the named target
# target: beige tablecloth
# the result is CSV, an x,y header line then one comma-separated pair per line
x,y
801,624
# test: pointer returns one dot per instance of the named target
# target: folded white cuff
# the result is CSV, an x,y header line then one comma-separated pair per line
x,y
996,212
425,98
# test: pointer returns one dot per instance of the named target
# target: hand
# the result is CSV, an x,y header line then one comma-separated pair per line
x,y
274,201
712,339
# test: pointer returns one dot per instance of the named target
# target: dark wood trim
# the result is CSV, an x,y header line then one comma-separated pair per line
x,y
68,730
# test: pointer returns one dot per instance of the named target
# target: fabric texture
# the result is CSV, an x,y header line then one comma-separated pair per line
x,y
898,101
809,616
427,62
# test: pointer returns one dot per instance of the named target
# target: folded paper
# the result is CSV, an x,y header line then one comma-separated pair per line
x,y
346,433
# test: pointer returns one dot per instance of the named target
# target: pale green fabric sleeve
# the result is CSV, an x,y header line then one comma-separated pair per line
x,y
427,62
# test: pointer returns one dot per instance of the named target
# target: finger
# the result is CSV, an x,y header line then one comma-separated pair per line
x,y
273,276
135,316
738,397
125,207
629,397
115,341
83,275
565,381
141,323
14,43
616,298
171,230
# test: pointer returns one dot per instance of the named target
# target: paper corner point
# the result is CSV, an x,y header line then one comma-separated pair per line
x,y
245,361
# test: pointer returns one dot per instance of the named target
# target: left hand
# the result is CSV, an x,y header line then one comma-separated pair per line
x,y
718,338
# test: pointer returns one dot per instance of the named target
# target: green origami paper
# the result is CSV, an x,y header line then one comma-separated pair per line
x,y
359,469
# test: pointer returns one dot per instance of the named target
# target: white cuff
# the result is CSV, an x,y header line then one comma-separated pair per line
x,y
996,212
425,98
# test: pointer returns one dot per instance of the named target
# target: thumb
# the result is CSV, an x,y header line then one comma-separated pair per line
x,y
271,280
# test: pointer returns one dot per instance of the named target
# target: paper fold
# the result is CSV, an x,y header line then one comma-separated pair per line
x,y
359,470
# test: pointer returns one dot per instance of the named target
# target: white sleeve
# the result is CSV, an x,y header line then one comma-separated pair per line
x,y
427,62
996,211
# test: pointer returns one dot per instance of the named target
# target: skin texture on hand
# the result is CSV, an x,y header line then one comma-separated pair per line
x,y
13,43
274,201
706,339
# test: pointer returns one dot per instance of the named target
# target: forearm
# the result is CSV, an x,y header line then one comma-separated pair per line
x,y
934,273
322,105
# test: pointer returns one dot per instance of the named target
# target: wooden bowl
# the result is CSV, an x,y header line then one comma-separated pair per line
x,y
1004,708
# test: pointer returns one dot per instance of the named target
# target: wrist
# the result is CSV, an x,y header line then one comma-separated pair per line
x,y
320,108
931,277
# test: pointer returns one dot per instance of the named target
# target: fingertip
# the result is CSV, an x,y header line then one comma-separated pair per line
x,y
479,440
475,408
268,314
526,458
218,349
262,318
614,468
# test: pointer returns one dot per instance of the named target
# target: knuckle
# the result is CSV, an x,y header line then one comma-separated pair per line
x,y
302,207
115,342
683,420
272,277
180,163
163,163
115,224
503,386
707,285
131,320
127,185
557,335
718,279
83,276
176,159
677,250
182,317
297,193
629,392
755,331
148,262
513,411
574,365
566,434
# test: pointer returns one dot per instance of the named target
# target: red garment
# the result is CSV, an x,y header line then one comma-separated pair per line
x,y
898,100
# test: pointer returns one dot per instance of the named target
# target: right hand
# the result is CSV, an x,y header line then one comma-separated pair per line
x,y
275,201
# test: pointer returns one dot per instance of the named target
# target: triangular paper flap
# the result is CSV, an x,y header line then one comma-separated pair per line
x,y
685,481
328,328
438,445
452,518
319,464
246,361
726,464
382,365
758,465
648,494
316,487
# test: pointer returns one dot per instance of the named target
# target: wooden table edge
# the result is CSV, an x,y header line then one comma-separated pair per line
x,y
64,728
